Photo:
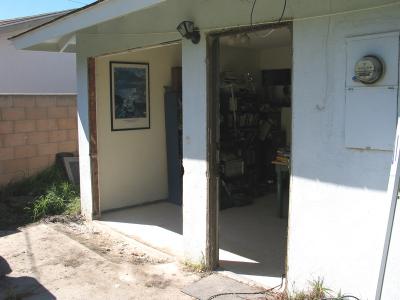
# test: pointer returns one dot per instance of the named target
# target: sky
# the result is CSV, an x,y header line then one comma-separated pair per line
x,y
10,9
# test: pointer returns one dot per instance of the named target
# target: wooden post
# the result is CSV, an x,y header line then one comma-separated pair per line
x,y
93,136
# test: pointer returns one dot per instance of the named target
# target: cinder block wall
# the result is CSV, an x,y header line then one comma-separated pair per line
x,y
32,130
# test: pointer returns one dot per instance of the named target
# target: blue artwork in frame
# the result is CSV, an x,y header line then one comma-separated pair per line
x,y
130,97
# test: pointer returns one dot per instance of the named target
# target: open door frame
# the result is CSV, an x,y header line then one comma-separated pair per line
x,y
212,257
213,172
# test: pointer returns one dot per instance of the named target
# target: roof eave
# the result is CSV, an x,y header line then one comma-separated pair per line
x,y
79,19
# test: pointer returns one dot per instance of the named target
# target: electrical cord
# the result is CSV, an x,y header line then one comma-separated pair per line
x,y
269,291
283,12
272,30
344,297
254,5
251,13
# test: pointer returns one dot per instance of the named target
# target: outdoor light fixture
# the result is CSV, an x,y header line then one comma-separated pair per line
x,y
187,30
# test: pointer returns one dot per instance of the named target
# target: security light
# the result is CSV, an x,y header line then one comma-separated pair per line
x,y
187,30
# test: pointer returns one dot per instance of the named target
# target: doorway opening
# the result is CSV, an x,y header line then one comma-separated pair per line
x,y
140,173
253,124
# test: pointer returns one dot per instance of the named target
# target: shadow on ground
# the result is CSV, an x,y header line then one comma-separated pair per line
x,y
23,287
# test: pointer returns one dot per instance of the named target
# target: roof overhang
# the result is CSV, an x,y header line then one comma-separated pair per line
x,y
59,34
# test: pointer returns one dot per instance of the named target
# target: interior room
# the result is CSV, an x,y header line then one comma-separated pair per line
x,y
139,157
254,152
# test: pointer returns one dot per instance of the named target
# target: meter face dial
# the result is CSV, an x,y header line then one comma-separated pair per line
x,y
368,69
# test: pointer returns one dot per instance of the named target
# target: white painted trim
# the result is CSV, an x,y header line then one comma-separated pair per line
x,y
101,12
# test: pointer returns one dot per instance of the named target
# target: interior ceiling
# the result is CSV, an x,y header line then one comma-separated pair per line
x,y
261,39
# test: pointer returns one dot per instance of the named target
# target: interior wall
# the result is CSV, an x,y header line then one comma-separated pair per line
x,y
276,58
133,163
241,61
338,200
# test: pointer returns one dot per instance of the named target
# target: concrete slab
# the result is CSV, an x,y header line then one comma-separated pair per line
x,y
158,225
252,238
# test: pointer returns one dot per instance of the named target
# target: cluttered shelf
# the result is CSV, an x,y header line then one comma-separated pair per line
x,y
251,137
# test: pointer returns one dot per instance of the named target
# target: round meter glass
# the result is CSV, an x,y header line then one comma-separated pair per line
x,y
368,69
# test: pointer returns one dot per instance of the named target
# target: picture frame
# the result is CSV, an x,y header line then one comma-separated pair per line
x,y
129,95
71,165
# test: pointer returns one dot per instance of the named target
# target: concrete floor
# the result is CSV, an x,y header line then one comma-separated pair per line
x,y
252,238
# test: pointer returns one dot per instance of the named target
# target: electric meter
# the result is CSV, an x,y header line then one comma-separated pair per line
x,y
368,69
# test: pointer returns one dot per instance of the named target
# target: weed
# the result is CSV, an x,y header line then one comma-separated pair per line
x,y
195,267
58,199
316,291
49,193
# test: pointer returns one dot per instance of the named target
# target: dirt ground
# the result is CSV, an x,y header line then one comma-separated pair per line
x,y
82,261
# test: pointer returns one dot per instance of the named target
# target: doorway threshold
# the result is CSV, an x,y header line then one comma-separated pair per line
x,y
265,282
157,225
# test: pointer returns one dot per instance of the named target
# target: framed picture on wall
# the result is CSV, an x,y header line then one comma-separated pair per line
x,y
130,96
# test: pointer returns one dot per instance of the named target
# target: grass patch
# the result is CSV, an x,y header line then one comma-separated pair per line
x,y
45,194
60,198
195,267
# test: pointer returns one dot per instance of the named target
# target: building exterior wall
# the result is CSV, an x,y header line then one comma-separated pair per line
x,y
32,130
338,206
338,196
35,72
133,163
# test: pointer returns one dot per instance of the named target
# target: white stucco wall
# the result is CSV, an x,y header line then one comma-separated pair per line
x,y
338,203
34,72
194,107
85,171
132,164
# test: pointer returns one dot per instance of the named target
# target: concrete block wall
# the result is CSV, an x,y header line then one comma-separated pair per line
x,y
32,130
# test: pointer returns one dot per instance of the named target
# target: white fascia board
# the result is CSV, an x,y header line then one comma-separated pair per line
x,y
102,12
